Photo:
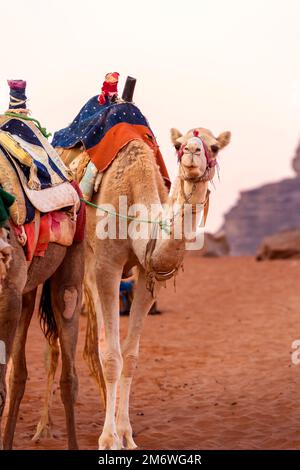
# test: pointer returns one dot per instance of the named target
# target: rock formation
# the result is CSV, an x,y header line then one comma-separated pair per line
x,y
282,245
262,212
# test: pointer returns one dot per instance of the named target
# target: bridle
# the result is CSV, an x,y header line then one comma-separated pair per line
x,y
151,274
210,160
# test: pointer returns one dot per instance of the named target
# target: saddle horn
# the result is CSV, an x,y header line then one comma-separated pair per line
x,y
129,89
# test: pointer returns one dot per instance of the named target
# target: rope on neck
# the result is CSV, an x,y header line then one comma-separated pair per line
x,y
162,224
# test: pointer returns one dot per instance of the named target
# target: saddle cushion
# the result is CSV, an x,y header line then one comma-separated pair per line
x,y
33,172
60,227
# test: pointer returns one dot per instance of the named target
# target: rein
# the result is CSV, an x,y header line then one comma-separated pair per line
x,y
162,224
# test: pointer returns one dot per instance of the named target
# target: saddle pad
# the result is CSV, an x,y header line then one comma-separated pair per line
x,y
23,140
51,199
104,130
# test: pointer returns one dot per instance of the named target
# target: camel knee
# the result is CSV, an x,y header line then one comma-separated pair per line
x,y
70,301
112,366
129,363
69,386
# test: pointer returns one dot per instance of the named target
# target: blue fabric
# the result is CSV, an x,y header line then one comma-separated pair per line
x,y
126,286
126,291
20,128
95,120
15,126
20,95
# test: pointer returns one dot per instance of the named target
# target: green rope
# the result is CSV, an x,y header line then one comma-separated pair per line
x,y
163,225
27,118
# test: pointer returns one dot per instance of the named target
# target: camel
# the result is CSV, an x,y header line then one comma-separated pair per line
x,y
142,183
133,173
60,267
63,266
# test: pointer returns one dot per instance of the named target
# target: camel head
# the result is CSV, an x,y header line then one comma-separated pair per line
x,y
198,149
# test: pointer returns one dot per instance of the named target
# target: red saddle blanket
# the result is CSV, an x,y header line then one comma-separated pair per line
x,y
56,226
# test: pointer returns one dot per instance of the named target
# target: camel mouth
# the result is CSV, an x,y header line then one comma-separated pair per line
x,y
193,171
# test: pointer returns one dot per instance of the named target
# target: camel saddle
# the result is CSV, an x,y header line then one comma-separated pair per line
x,y
33,172
97,134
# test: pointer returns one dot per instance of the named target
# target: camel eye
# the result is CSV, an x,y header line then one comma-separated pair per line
x,y
177,146
214,148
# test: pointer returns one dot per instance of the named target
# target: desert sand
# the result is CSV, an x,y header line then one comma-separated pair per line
x,y
215,369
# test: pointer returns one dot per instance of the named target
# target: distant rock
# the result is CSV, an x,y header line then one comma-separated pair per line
x,y
282,245
215,245
262,212
296,161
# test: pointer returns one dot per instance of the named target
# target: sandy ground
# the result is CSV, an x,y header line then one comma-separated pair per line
x,y
215,369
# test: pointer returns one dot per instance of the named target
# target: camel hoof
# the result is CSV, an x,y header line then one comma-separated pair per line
x,y
43,430
128,442
109,441
126,439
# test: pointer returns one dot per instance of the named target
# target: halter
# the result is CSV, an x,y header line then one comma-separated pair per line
x,y
210,161
151,274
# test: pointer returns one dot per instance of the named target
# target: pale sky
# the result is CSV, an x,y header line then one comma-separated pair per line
x,y
226,65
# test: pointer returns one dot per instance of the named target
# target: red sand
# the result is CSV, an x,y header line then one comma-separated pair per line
x,y
215,369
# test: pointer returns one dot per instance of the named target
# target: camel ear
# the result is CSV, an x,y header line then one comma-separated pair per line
x,y
224,139
175,135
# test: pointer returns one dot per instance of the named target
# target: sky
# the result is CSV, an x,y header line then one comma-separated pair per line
x,y
224,65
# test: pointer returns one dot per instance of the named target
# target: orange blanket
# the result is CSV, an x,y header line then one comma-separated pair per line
x,y
116,138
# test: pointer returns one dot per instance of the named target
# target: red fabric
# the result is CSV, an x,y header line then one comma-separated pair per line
x,y
44,235
109,87
30,245
116,138
50,222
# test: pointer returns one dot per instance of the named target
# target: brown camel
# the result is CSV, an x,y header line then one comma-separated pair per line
x,y
141,181
64,267
134,173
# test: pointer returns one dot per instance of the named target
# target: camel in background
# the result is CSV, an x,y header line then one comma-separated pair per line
x,y
64,266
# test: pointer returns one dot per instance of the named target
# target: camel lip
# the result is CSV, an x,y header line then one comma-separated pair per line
x,y
193,171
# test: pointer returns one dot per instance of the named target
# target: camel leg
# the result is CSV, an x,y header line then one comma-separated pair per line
x,y
19,370
108,282
10,311
142,302
66,297
44,426
94,323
